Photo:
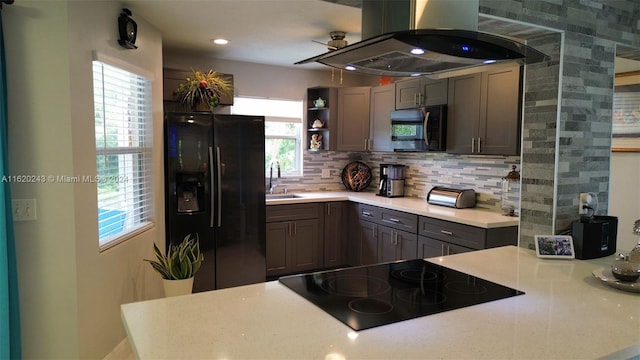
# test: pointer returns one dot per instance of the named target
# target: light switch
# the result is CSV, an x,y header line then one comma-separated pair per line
x,y
24,209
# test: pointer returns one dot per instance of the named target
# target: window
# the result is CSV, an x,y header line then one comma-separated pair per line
x,y
123,128
283,130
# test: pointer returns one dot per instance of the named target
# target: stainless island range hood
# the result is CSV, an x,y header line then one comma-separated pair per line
x,y
444,39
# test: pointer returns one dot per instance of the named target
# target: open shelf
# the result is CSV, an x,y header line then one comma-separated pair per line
x,y
326,114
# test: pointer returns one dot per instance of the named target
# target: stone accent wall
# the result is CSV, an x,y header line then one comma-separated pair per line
x,y
575,147
539,131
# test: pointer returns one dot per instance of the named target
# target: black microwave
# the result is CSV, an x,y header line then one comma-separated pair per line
x,y
422,129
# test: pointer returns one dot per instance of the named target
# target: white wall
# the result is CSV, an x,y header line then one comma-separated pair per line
x,y
70,292
266,80
624,196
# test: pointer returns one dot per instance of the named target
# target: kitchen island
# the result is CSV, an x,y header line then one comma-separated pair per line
x,y
564,313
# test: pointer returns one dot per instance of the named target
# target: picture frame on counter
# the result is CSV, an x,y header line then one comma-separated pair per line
x,y
554,246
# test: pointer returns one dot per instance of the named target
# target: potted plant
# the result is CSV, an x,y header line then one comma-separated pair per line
x,y
202,90
179,265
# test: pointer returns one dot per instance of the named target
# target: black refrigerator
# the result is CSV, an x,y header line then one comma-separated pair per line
x,y
215,187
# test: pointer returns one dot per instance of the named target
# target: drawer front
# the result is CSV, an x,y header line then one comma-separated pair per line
x,y
398,220
368,212
293,212
468,236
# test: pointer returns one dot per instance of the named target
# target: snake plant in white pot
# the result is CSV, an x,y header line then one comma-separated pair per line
x,y
178,266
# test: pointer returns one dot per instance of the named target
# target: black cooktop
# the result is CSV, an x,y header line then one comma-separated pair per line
x,y
368,296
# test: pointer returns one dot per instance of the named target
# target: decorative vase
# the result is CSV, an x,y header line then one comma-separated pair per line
x,y
177,287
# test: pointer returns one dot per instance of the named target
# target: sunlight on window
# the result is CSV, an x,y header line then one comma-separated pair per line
x,y
283,130
123,130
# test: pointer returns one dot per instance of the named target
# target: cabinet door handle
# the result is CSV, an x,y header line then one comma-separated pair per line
x,y
421,98
328,209
366,213
366,143
369,144
394,220
295,228
473,144
415,99
446,232
375,231
479,144
442,249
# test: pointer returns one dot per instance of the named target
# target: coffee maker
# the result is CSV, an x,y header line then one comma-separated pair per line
x,y
395,180
391,180
382,188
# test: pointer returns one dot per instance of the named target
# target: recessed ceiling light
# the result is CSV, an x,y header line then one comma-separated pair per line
x,y
417,51
220,41
350,67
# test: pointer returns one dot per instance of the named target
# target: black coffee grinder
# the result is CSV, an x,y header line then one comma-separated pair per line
x,y
384,178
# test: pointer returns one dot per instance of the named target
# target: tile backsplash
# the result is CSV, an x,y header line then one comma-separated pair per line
x,y
424,171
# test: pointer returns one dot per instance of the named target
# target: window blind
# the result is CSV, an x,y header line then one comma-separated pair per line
x,y
626,111
123,129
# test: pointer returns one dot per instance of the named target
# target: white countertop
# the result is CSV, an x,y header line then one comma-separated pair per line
x,y
565,313
474,216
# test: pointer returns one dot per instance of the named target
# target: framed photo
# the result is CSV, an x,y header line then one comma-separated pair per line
x,y
554,246
626,113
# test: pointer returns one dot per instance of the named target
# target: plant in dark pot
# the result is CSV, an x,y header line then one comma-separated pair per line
x,y
178,266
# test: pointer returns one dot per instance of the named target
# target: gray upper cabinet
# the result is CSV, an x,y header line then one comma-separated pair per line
x,y
463,113
421,92
353,118
484,113
382,103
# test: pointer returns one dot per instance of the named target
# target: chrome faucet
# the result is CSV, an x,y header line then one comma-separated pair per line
x,y
272,186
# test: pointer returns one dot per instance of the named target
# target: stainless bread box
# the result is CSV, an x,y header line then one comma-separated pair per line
x,y
452,197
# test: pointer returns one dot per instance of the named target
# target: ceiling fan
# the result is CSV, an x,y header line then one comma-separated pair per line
x,y
337,40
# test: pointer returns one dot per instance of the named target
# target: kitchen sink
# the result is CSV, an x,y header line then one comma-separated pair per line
x,y
280,196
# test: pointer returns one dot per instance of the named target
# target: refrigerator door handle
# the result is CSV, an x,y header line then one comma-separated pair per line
x,y
212,190
219,187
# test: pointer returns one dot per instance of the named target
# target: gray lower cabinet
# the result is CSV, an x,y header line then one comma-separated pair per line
x,y
293,238
429,247
304,237
397,244
441,237
334,234
363,235
380,235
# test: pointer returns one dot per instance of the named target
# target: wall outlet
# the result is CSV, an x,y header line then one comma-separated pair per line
x,y
585,203
24,209
326,173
